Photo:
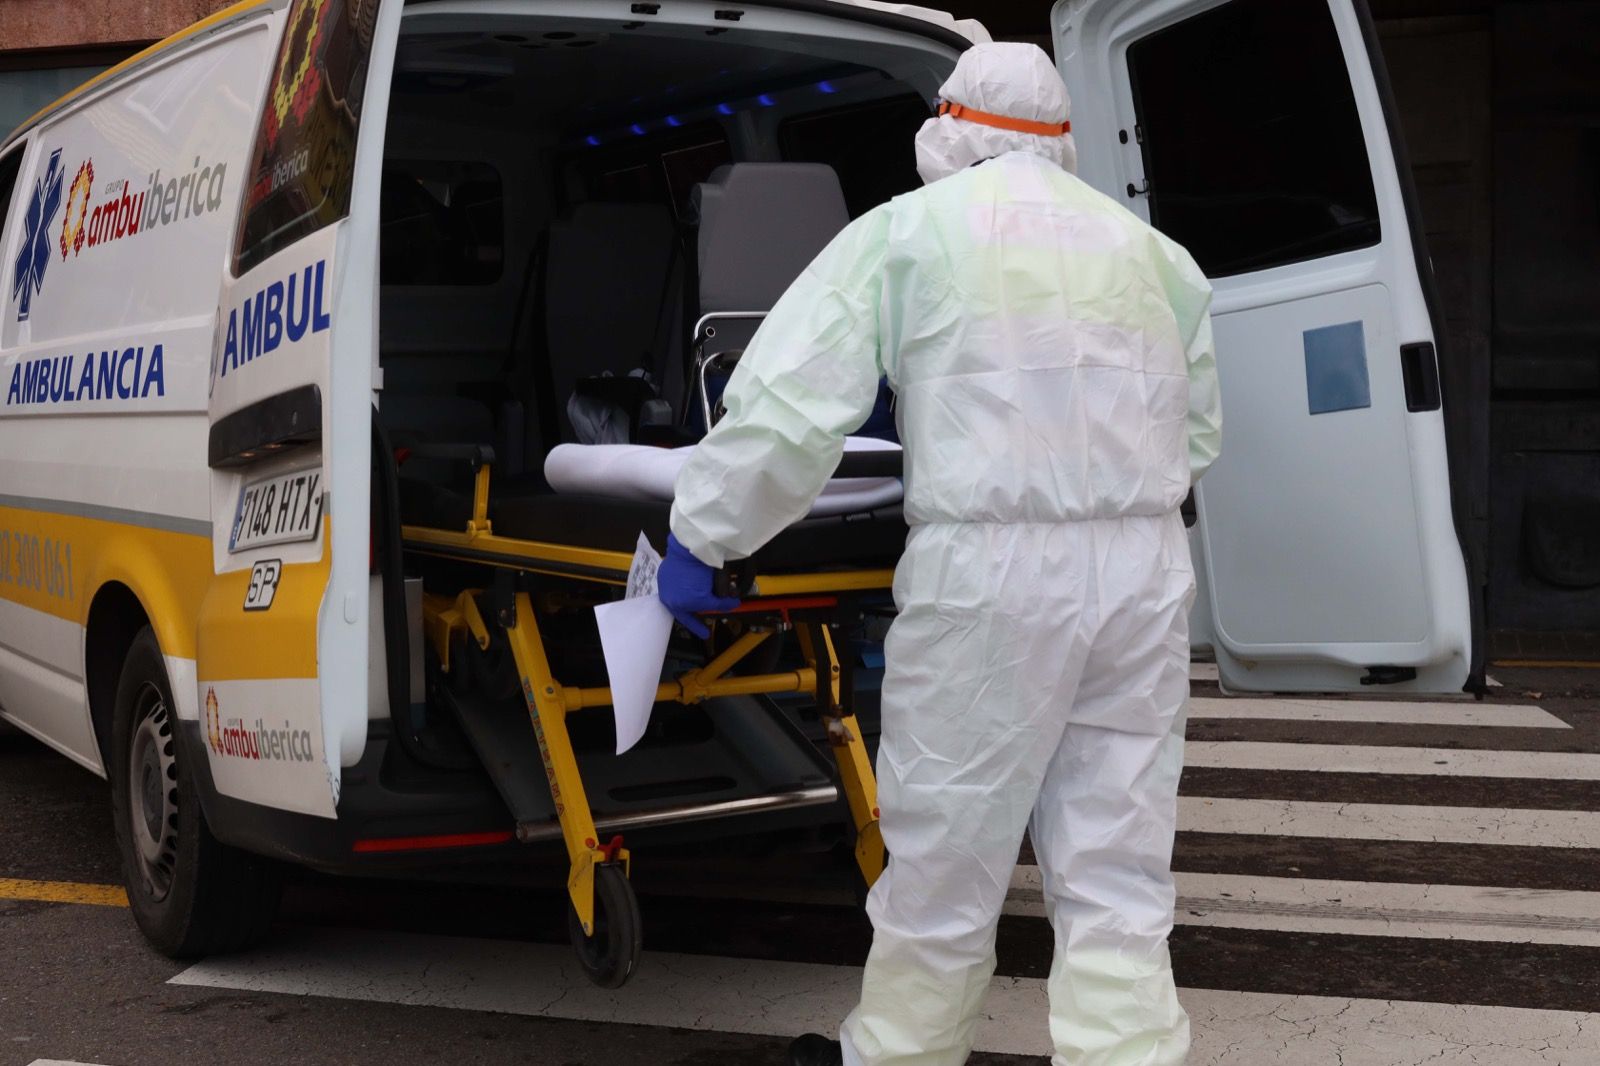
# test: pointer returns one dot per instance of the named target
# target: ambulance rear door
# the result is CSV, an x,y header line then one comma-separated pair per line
x,y
282,646
1255,133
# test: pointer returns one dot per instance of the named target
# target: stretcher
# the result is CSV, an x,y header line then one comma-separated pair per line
x,y
544,555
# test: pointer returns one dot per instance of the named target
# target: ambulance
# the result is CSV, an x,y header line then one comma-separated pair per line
x,y
281,290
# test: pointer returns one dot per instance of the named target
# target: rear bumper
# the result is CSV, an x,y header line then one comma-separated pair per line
x,y
391,823
370,808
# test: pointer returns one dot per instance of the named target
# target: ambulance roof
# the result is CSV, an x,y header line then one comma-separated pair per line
x,y
971,29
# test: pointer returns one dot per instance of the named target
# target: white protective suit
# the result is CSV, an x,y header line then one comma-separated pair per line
x,y
1052,359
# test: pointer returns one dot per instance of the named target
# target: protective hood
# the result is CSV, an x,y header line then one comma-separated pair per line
x,y
1002,97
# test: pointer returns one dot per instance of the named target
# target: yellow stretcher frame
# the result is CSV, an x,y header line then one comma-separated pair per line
x,y
549,702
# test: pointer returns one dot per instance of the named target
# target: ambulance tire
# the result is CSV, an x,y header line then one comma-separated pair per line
x,y
190,895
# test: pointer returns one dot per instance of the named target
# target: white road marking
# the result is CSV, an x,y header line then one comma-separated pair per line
x,y
1365,908
1258,1029
1361,759
680,991
708,993
1374,711
1384,821
1438,912
799,883
59,1062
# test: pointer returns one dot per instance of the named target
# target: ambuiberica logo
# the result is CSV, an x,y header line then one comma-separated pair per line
x,y
257,741
98,214
125,210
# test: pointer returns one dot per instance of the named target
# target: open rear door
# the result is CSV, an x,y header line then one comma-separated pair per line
x,y
1255,133
282,647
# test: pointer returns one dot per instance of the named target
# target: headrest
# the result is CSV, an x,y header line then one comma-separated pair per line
x,y
761,224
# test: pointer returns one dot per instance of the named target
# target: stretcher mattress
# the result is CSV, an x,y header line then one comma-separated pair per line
x,y
647,475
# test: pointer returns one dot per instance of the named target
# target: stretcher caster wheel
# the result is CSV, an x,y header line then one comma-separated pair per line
x,y
815,1050
610,956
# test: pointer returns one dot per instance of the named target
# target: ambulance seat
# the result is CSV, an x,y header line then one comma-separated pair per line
x,y
613,300
761,225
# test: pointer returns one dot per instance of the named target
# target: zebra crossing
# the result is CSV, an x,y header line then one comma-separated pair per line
x,y
1360,882
775,998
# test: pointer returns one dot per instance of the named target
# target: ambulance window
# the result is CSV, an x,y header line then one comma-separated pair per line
x,y
442,224
9,166
302,170
1252,143
872,147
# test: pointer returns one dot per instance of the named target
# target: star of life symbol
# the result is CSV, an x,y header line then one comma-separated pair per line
x,y
34,256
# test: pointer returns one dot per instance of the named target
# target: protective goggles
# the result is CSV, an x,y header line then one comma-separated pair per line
x,y
1003,122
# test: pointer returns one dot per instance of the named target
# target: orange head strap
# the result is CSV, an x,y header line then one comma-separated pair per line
x,y
1003,122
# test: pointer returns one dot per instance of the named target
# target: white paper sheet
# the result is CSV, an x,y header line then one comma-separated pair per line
x,y
633,635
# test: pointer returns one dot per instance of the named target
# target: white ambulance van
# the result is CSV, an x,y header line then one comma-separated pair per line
x,y
263,277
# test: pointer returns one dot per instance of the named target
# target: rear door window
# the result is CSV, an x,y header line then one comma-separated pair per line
x,y
303,166
1252,143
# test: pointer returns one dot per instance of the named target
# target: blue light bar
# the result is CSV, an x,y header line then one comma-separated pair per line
x,y
592,140
766,101
826,87
674,121
638,130
724,109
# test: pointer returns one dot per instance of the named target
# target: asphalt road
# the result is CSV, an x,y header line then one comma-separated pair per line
x,y
1361,883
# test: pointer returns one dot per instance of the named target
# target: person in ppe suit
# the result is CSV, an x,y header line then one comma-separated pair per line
x,y
1056,391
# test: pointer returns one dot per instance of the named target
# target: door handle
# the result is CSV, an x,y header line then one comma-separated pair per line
x,y
1419,367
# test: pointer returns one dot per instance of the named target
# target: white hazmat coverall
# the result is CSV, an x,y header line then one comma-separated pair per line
x,y
1057,393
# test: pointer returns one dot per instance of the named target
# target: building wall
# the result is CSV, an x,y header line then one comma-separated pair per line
x,y
50,46
35,25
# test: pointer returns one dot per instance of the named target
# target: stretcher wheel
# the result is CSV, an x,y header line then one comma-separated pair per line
x,y
609,956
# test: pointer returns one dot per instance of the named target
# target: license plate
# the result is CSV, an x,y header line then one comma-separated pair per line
x,y
278,510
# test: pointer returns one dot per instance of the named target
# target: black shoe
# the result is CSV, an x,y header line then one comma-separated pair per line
x,y
814,1050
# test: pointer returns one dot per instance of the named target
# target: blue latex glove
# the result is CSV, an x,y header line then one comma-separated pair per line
x,y
685,586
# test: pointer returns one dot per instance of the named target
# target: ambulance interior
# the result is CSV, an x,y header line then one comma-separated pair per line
x,y
562,207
